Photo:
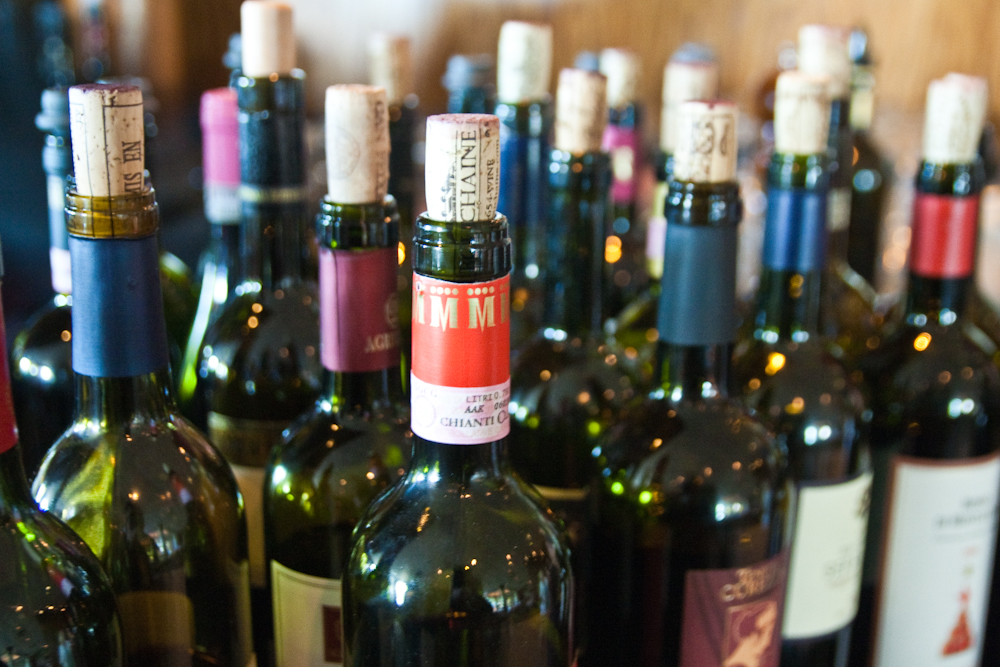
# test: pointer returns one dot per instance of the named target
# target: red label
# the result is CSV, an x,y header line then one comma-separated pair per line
x,y
8,426
944,236
358,310
622,144
732,618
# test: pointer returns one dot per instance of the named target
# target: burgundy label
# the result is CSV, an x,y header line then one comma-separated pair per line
x,y
8,426
622,144
359,310
732,618
944,236
333,644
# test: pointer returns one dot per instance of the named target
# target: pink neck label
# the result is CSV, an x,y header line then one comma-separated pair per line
x,y
622,144
8,426
359,310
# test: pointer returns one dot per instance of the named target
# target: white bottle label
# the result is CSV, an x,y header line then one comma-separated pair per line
x,y
825,574
838,209
308,619
940,534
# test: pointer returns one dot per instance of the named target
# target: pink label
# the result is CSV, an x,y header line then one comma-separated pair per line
x,y
359,310
8,427
733,617
622,144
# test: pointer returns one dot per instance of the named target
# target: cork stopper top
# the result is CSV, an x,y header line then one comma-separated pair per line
x,y
268,39
953,123
581,111
621,67
801,113
106,130
524,62
823,49
357,144
706,142
462,167
684,80
390,65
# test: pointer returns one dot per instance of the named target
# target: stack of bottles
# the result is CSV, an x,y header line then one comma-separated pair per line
x,y
533,425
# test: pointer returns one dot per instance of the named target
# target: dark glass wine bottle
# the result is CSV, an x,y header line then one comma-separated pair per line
x,y
355,441
142,487
469,82
689,559
458,563
259,366
790,377
935,397
56,604
524,65
219,263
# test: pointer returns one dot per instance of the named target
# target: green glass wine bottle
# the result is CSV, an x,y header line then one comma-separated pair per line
x,y
142,487
794,381
469,82
689,557
459,563
259,366
355,441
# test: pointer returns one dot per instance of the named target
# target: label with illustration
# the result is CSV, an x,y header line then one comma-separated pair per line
x,y
308,618
937,561
732,618
460,381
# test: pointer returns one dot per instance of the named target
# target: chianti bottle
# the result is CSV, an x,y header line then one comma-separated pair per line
x,y
219,264
689,559
524,65
458,563
469,82
144,489
936,411
355,441
802,392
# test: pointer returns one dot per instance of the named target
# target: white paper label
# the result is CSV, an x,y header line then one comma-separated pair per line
x,y
251,483
940,536
838,209
459,415
824,578
308,619
62,272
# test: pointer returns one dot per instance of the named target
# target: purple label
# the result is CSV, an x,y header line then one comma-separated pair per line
x,y
732,618
359,310
622,144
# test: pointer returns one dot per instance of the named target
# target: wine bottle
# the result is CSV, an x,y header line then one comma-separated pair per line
x,y
691,74
142,487
355,441
259,366
623,251
524,65
219,263
689,559
802,392
935,397
458,563
871,172
848,317
469,82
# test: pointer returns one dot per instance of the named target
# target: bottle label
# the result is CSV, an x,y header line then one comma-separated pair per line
x,y
622,144
62,272
358,310
732,618
460,381
838,209
8,425
824,577
795,232
222,203
308,618
118,326
656,232
944,236
937,561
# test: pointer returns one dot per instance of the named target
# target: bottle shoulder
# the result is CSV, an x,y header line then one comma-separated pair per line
x,y
46,334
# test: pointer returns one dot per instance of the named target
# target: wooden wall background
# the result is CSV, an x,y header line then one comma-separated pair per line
x,y
913,40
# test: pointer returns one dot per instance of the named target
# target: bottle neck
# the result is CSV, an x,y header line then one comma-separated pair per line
x,y
694,372
14,490
578,187
526,119
840,149
434,463
57,162
365,393
106,403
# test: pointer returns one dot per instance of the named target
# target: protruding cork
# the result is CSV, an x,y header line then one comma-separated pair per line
x,y
823,49
706,142
801,113
462,167
107,134
684,79
581,111
621,67
956,110
390,65
524,62
268,39
357,144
